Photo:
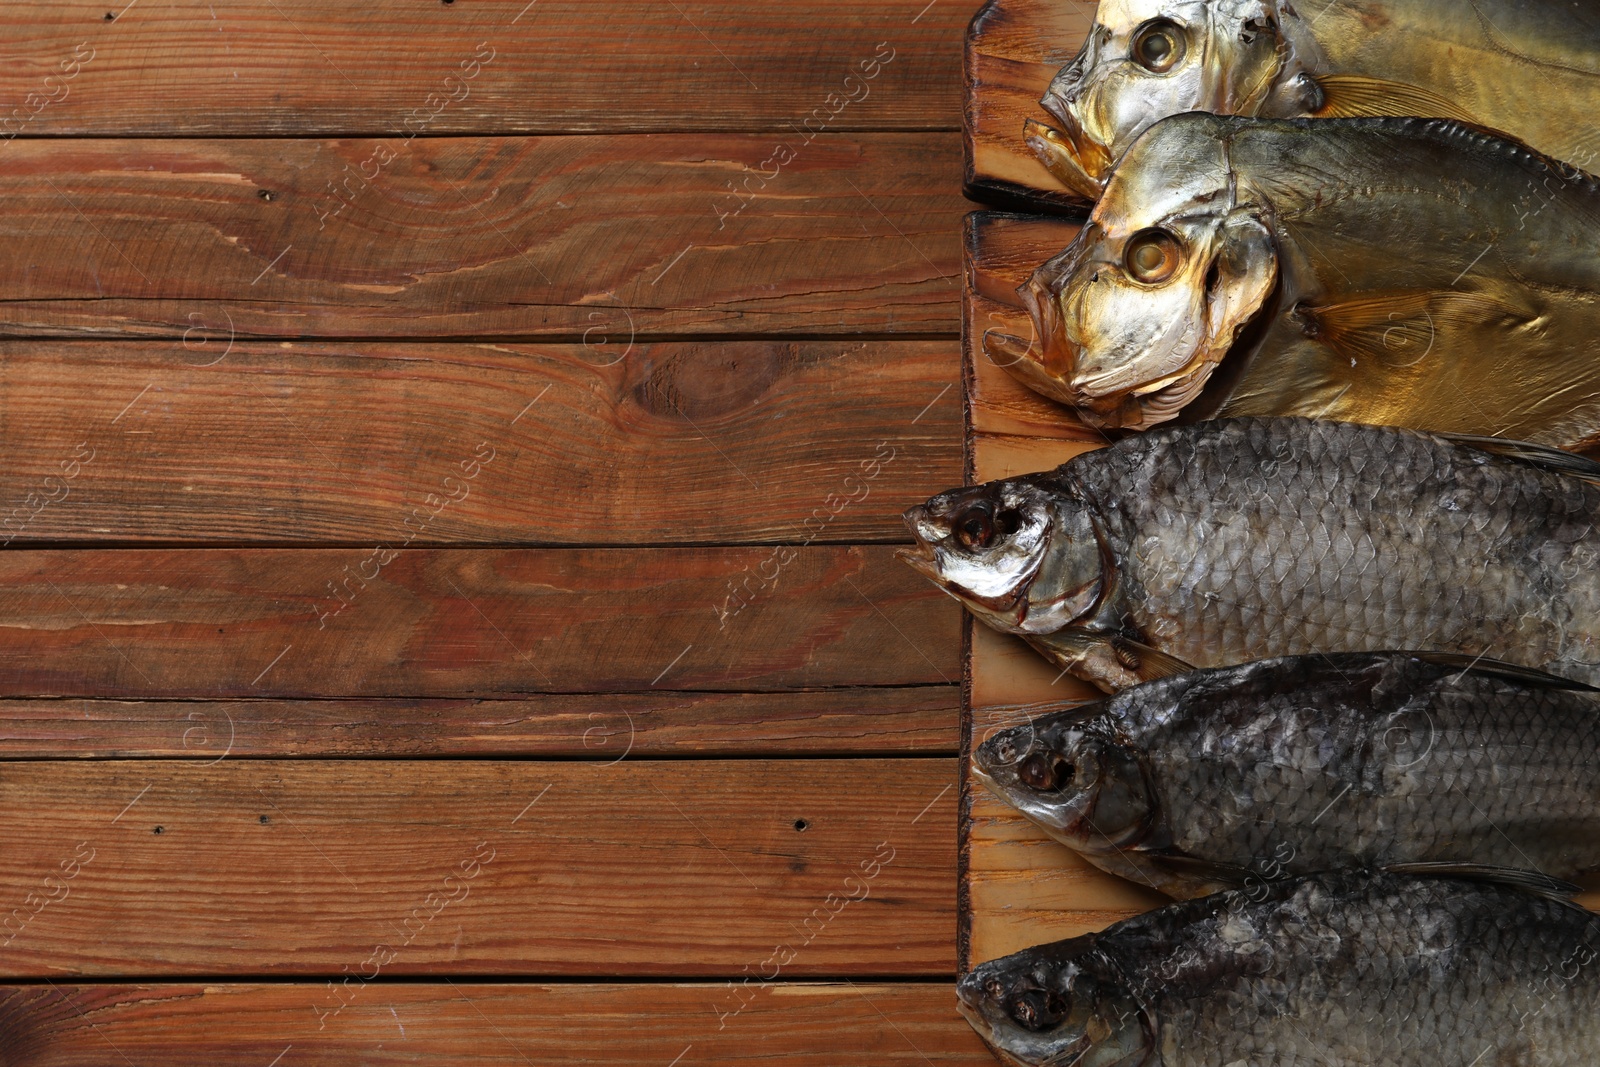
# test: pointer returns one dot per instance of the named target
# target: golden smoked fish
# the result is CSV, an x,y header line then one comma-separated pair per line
x,y
1407,272
1530,68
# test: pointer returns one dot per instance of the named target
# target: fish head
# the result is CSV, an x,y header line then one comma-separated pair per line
x,y
1144,60
1134,316
1057,1005
1073,774
1023,557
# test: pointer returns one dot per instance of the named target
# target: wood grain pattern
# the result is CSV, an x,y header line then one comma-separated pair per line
x,y
1020,887
1013,49
585,726
661,443
1001,253
677,868
215,624
307,67
603,239
487,1025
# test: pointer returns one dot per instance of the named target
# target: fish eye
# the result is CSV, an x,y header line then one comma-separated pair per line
x,y
1038,1009
1152,256
975,527
1158,45
1044,772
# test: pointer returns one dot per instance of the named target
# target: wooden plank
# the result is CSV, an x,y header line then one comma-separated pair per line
x,y
1019,887
677,868
1001,252
1013,49
488,1025
491,66
601,239
670,443
600,726
999,456
214,624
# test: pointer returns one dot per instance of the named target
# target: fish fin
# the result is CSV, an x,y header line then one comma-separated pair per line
x,y
1110,661
1531,677
1544,457
1146,662
1216,874
1399,328
1347,96
1539,885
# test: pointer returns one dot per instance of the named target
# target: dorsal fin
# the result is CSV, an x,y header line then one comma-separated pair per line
x,y
1543,457
1531,677
1539,885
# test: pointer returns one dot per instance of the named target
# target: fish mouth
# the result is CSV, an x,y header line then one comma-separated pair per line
x,y
1049,367
920,557
921,560
970,1012
986,779
1083,169
969,1004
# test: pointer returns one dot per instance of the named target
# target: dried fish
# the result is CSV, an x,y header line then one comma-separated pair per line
x,y
1234,775
1403,271
1242,539
1530,68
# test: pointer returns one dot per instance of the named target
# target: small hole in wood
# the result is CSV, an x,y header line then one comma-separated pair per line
x,y
111,16
265,820
265,194
800,826
159,830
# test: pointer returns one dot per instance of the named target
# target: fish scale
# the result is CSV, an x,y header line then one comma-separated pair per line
x,y
1382,556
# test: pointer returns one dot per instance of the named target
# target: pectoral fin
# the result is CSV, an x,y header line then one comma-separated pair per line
x,y
1399,329
1110,661
1146,662
1354,95
1213,875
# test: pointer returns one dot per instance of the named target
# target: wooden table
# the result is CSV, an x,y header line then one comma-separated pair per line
x,y
455,452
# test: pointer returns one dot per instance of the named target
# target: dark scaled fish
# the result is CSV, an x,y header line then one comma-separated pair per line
x,y
1403,271
1243,539
1528,67
1235,775
1346,969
